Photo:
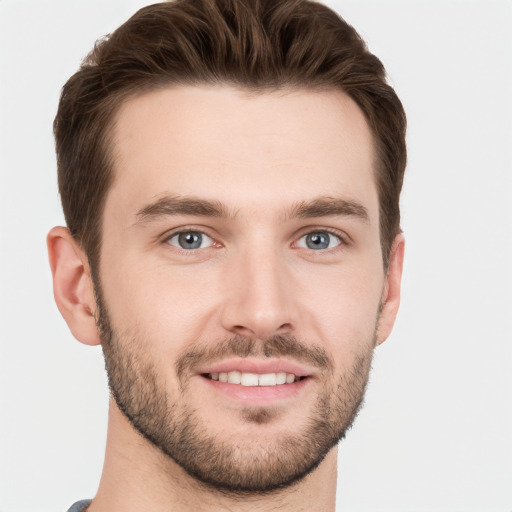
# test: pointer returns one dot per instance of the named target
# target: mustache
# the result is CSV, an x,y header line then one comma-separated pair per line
x,y
285,345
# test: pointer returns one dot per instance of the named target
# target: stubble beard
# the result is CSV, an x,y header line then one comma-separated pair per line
x,y
232,465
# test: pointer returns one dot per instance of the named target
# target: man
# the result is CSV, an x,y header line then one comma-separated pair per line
x,y
230,173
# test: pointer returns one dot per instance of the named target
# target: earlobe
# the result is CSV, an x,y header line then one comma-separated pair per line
x,y
392,289
72,285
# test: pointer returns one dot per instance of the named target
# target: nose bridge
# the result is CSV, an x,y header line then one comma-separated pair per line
x,y
259,302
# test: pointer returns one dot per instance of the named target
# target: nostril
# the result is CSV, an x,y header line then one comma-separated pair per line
x,y
260,330
243,331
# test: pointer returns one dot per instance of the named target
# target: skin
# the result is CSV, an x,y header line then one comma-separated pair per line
x,y
259,156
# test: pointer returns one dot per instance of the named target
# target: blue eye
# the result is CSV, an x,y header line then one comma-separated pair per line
x,y
319,240
190,240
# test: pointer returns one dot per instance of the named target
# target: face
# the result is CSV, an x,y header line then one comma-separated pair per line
x,y
241,278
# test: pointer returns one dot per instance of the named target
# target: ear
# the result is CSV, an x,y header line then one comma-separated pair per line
x,y
391,294
72,285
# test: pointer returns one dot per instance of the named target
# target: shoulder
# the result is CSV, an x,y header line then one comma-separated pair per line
x,y
79,506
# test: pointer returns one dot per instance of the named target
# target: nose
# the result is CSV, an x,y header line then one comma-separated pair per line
x,y
259,300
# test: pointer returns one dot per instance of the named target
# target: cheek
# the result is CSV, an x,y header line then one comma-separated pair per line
x,y
168,305
342,308
176,305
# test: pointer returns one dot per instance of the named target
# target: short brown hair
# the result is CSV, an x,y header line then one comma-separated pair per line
x,y
259,45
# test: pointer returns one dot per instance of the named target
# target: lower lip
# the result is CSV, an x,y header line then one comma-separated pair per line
x,y
257,394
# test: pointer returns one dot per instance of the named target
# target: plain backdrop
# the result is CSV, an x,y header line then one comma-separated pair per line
x,y
435,434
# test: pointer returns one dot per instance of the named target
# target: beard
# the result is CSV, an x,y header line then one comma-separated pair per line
x,y
232,464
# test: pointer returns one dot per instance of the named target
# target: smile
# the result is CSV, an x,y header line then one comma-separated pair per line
x,y
254,379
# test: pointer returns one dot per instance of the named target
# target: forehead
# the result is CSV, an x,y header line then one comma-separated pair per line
x,y
254,152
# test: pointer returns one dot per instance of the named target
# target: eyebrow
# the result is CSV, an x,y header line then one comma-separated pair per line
x,y
329,207
318,207
175,205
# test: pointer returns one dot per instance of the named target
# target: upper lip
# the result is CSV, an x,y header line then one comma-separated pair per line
x,y
258,366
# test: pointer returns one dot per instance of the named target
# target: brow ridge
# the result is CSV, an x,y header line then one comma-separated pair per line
x,y
177,205
324,206
329,207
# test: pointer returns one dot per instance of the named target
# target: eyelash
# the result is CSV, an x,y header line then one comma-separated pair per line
x,y
344,241
341,237
188,229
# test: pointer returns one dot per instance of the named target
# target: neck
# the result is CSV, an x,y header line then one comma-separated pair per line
x,y
137,476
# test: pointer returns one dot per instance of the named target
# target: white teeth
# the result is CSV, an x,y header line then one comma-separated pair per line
x,y
249,379
267,379
254,379
234,377
281,378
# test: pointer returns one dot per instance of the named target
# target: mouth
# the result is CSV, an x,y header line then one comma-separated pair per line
x,y
254,379
256,382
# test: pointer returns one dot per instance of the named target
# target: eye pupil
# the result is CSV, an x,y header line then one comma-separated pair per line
x,y
190,240
317,240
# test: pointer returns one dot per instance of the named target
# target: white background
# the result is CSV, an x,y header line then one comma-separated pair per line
x,y
436,432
